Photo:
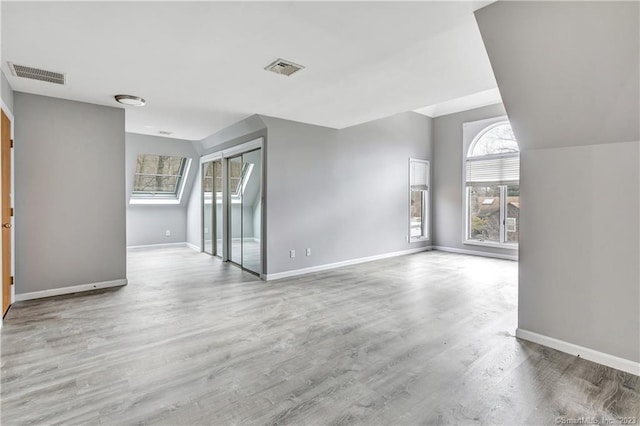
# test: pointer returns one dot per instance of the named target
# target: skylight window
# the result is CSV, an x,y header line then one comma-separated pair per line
x,y
159,178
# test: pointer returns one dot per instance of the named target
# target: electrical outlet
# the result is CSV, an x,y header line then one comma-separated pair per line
x,y
308,252
167,233
292,254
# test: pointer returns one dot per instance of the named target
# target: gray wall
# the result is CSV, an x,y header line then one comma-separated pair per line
x,y
193,231
69,193
243,131
342,193
578,123
6,92
579,273
194,211
148,223
448,194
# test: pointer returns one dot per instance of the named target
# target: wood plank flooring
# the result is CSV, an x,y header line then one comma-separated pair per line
x,y
420,339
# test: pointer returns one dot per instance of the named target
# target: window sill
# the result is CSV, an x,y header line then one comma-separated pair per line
x,y
418,239
154,201
508,246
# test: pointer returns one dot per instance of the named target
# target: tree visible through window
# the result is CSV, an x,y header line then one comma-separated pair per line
x,y
238,175
494,140
158,176
492,167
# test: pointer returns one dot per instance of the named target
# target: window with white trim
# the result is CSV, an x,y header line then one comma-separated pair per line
x,y
492,186
418,200
159,178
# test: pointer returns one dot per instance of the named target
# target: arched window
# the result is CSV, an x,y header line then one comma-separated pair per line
x,y
495,139
492,186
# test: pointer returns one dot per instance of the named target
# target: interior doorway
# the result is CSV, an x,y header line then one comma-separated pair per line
x,y
7,213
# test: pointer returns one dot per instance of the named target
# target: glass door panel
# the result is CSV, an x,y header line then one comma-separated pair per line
x,y
207,210
251,190
217,213
234,189
212,207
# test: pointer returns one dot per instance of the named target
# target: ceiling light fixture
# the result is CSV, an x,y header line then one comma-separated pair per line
x,y
130,100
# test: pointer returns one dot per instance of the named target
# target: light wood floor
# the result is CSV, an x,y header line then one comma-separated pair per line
x,y
420,339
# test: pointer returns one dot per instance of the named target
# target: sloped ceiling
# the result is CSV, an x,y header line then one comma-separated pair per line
x,y
568,72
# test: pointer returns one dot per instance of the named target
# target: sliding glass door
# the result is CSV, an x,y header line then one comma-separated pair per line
x,y
245,210
252,213
232,206
212,207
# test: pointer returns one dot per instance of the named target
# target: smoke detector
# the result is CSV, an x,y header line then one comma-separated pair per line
x,y
284,67
37,74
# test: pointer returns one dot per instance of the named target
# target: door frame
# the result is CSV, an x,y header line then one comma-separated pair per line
x,y
12,263
224,155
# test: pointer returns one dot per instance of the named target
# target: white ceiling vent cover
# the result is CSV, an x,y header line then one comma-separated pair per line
x,y
37,74
284,67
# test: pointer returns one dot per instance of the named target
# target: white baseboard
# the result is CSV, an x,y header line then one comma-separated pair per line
x,y
476,253
192,246
303,271
586,353
181,244
68,290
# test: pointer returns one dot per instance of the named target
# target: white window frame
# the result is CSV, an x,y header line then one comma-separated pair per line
x,y
471,131
425,234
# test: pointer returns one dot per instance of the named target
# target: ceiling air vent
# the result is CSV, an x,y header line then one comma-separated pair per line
x,y
284,67
37,74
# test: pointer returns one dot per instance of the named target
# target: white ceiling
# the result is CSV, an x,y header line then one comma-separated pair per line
x,y
200,65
